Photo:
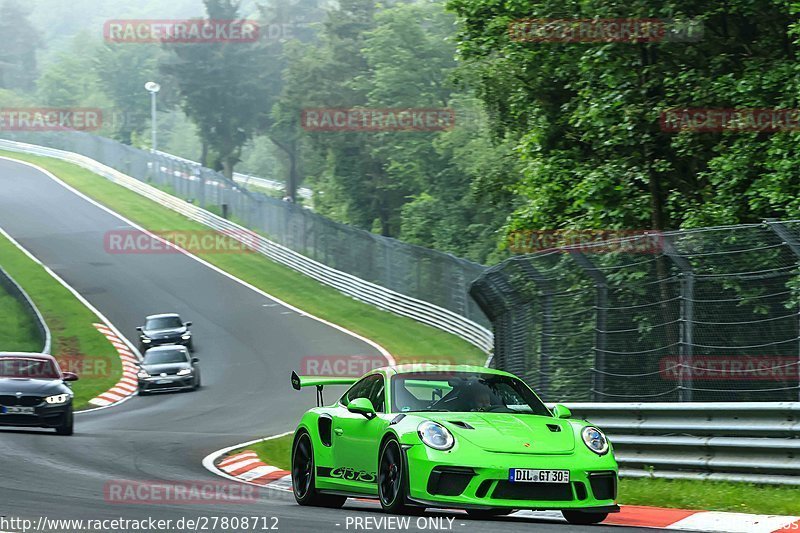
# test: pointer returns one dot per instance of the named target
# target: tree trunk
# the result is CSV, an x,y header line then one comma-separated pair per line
x,y
293,177
204,154
227,167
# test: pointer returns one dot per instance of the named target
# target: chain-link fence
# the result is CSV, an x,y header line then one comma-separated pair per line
x,y
435,277
701,315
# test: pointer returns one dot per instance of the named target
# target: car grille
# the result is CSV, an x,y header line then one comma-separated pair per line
x,y
19,420
604,485
24,401
449,481
544,492
170,385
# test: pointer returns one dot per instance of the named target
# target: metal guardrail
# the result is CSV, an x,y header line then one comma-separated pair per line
x,y
245,179
348,284
17,292
755,442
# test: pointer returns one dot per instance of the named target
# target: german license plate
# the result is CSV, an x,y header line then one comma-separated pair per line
x,y
528,475
163,381
15,410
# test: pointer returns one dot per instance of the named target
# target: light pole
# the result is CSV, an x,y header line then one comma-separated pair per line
x,y
153,88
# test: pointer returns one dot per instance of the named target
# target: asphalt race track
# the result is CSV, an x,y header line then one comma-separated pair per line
x,y
247,345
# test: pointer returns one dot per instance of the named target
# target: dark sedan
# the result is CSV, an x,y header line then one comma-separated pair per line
x,y
34,393
167,328
168,368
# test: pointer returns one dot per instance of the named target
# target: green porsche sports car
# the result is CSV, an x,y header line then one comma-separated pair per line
x,y
463,437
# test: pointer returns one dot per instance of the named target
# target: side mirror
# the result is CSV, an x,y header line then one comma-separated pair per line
x,y
195,360
139,329
362,406
561,411
70,376
187,324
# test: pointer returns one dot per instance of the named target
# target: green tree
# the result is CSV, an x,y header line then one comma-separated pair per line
x,y
223,88
21,41
586,115
122,70
70,80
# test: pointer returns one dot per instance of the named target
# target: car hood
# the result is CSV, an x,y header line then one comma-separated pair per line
x,y
164,333
169,368
32,386
510,433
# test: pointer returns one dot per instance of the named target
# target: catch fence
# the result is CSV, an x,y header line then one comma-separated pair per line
x,y
702,315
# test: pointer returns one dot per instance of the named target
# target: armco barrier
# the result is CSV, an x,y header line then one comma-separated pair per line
x,y
348,284
18,293
726,441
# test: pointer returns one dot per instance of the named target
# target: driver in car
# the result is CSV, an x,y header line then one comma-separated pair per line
x,y
480,398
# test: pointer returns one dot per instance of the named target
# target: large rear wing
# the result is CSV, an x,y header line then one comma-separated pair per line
x,y
298,382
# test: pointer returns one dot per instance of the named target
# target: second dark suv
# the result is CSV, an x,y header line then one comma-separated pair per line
x,y
166,328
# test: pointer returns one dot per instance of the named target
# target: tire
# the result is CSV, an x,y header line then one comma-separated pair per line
x,y
579,518
485,514
66,427
393,479
197,383
303,475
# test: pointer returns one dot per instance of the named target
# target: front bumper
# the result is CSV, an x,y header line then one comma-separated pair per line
x,y
439,478
167,384
46,416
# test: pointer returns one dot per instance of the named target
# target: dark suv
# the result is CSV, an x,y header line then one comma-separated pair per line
x,y
163,329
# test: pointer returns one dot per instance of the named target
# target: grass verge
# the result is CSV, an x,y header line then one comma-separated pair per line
x,y
406,339
680,494
711,496
17,327
77,345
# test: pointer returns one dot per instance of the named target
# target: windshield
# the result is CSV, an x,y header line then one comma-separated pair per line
x,y
28,368
463,392
170,322
166,357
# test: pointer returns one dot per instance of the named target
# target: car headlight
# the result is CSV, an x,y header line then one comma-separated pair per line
x,y
186,336
595,440
142,374
58,399
184,371
435,435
